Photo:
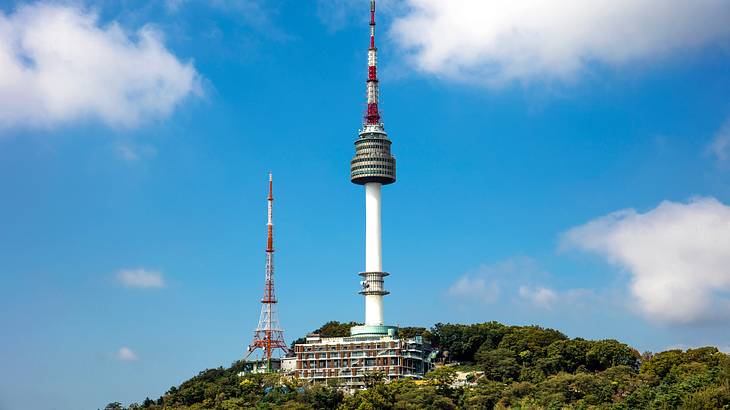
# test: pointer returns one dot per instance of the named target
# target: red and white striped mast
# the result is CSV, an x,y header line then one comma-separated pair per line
x,y
268,335
372,117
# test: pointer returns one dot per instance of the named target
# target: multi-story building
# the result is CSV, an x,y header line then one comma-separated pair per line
x,y
345,361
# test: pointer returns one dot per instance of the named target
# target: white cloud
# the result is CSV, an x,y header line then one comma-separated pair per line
x,y
58,64
472,288
496,41
678,256
720,146
539,296
126,354
520,284
141,278
488,283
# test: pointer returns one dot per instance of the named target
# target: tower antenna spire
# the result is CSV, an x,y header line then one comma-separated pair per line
x,y
268,335
372,117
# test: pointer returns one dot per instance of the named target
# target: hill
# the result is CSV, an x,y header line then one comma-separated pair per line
x,y
510,367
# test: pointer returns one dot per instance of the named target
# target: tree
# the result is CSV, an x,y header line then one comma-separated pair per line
x,y
660,365
463,341
485,395
323,397
423,398
379,397
530,342
566,355
498,364
298,341
409,332
336,329
608,353
443,378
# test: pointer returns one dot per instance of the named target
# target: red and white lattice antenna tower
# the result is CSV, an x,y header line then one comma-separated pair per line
x,y
372,117
268,335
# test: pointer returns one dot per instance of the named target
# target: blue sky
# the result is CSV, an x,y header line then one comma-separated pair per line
x,y
567,175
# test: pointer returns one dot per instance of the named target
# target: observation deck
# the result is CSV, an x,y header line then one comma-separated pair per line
x,y
373,161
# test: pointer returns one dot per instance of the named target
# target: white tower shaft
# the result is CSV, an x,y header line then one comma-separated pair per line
x,y
373,251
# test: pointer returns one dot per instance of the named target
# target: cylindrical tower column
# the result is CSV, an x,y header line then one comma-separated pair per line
x,y
373,251
373,233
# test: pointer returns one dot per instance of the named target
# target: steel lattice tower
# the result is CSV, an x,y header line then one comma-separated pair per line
x,y
268,335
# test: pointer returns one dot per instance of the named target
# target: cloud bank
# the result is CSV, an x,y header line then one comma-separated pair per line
x,y
141,278
497,41
58,64
678,256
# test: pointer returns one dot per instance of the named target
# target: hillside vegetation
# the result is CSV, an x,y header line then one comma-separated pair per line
x,y
525,367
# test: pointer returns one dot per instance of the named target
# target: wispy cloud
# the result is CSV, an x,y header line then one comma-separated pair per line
x,y
539,296
678,255
474,288
517,281
132,152
141,278
126,354
720,146
487,283
60,65
257,14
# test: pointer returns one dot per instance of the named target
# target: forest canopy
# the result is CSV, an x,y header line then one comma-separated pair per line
x,y
510,367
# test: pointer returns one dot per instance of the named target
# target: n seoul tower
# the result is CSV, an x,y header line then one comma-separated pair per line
x,y
373,166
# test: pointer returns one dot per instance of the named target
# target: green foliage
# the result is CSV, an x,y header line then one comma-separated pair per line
x,y
608,353
378,397
662,363
523,367
323,397
409,332
336,329
485,395
424,398
530,342
463,341
443,378
498,364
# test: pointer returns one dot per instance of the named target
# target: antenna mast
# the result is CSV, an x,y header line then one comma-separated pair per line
x,y
268,335
372,117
